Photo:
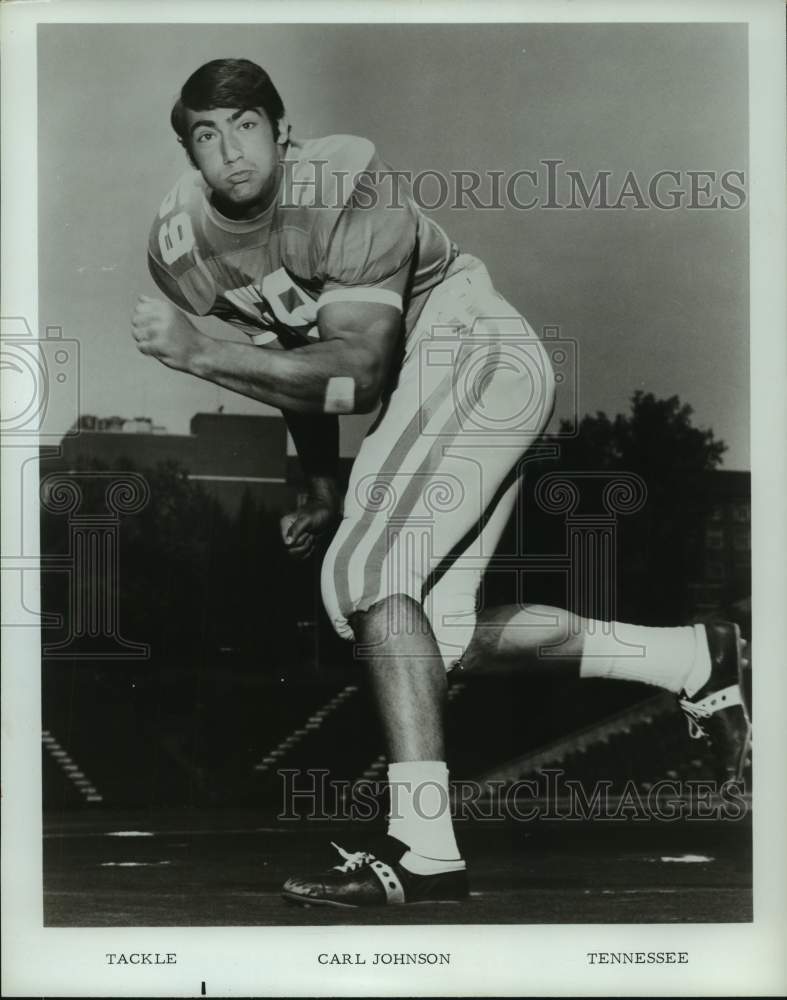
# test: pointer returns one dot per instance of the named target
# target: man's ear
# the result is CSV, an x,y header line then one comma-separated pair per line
x,y
283,131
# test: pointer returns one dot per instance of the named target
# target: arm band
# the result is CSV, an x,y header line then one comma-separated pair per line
x,y
354,294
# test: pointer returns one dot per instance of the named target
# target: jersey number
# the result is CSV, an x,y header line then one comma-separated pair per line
x,y
277,298
175,237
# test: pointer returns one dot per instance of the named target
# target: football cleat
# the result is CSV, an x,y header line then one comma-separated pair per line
x,y
375,878
717,712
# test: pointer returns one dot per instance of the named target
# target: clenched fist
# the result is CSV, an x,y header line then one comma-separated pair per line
x,y
165,333
317,515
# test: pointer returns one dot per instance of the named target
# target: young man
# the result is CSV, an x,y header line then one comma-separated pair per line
x,y
318,247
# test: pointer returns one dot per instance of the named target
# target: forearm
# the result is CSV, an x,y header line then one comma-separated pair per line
x,y
325,377
316,440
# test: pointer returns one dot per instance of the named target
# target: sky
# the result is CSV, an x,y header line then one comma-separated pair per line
x,y
647,298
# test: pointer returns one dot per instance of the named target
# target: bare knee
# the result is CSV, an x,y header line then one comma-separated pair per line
x,y
396,614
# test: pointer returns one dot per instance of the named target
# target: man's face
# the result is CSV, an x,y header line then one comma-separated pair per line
x,y
236,153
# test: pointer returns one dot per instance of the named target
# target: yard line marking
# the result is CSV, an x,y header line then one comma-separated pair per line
x,y
314,722
631,892
133,864
84,786
72,834
689,859
129,833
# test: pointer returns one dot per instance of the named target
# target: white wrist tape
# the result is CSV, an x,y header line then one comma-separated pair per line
x,y
340,394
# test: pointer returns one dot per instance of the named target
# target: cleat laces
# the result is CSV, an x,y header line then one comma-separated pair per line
x,y
704,709
351,861
693,714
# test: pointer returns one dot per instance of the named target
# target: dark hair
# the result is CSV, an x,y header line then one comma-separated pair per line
x,y
226,83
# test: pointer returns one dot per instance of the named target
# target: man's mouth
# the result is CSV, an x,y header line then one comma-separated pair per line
x,y
239,177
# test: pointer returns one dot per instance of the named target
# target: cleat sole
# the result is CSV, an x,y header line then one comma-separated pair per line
x,y
747,742
293,897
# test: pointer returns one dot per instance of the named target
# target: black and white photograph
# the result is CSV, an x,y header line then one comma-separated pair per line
x,y
393,407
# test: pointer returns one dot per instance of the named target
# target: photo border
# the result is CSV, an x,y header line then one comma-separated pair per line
x,y
743,959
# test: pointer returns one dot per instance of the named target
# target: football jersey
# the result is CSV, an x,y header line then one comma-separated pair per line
x,y
342,226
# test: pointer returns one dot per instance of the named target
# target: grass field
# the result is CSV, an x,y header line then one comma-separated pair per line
x,y
225,868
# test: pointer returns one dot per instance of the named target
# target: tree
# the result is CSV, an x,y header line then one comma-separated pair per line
x,y
657,441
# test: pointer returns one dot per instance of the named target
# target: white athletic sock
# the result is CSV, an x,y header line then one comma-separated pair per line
x,y
421,815
419,865
673,658
701,667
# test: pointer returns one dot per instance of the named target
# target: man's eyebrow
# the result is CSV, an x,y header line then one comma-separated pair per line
x,y
202,121
208,123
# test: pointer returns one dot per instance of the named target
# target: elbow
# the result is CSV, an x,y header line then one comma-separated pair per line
x,y
367,400
369,384
367,404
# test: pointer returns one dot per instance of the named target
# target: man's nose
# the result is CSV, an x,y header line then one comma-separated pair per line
x,y
230,149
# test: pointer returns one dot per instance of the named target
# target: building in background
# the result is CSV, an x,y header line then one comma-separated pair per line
x,y
232,455
722,543
228,454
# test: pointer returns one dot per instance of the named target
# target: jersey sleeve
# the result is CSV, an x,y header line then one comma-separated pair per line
x,y
372,243
169,286
174,259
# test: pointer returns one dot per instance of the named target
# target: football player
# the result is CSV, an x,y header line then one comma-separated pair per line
x,y
316,246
